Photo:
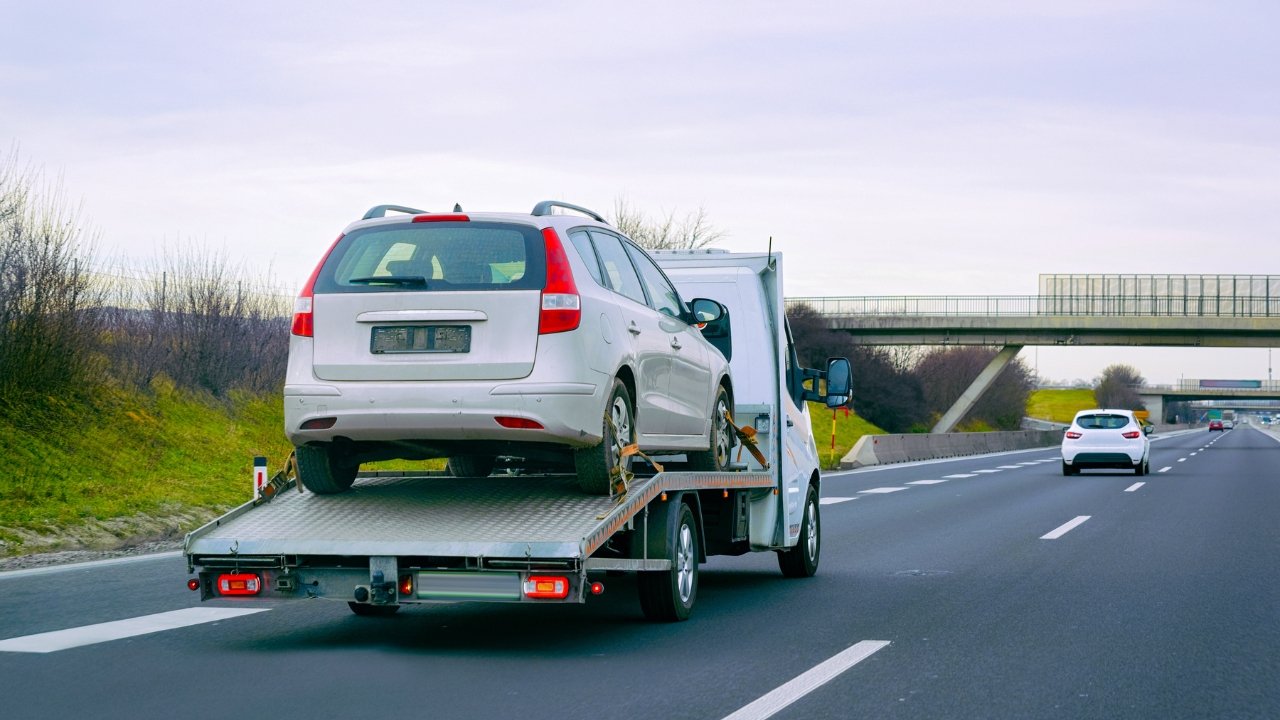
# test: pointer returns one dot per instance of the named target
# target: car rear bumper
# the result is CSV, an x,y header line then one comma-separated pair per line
x,y
1102,457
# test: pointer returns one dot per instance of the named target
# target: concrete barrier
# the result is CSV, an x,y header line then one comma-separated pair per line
x,y
884,449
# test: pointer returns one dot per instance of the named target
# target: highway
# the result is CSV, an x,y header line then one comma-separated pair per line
x,y
984,587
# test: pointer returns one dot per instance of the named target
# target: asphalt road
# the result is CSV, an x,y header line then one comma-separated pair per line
x,y
1163,603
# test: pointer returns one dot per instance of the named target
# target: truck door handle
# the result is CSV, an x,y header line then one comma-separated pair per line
x,y
675,343
633,328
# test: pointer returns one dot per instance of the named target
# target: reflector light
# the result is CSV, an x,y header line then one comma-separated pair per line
x,y
239,584
561,306
303,319
319,423
516,423
597,588
406,584
546,587
446,217
1072,435
193,584
1132,434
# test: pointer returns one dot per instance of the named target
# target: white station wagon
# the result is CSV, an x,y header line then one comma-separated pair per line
x,y
546,339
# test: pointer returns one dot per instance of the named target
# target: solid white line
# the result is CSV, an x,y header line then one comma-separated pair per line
x,y
1134,487
883,490
959,475
52,569
120,629
1167,468
925,482
834,500
808,681
1066,528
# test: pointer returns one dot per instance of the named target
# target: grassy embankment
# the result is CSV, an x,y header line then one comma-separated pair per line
x,y
1059,405
133,466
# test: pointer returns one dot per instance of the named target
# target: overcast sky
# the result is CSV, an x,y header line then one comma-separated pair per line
x,y
888,148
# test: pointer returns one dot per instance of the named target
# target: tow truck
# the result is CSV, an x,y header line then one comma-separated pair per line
x,y
398,539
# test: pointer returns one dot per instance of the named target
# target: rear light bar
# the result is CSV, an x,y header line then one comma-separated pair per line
x,y
443,217
546,587
1072,435
239,584
561,307
1132,434
517,423
303,319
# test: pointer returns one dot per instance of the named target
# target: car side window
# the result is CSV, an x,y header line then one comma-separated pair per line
x,y
587,252
619,274
662,297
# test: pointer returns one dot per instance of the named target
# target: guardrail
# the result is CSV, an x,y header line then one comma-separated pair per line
x,y
1042,305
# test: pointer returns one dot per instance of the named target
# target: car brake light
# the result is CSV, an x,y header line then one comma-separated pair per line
x,y
517,423
1072,435
1132,434
561,305
303,319
546,587
452,217
239,584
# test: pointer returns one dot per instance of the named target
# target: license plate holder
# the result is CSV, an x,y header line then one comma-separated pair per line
x,y
405,339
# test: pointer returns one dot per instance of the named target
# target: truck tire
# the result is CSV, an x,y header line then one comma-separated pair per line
x,y
367,610
471,465
668,595
801,561
716,458
323,470
593,464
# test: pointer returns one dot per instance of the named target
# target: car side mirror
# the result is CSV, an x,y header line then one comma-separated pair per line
x,y
1148,429
839,382
706,311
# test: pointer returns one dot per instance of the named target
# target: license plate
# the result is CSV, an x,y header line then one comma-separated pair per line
x,y
421,339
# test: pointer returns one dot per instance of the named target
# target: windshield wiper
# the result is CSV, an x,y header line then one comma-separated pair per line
x,y
391,280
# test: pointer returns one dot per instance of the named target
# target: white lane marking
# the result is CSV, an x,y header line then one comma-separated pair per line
x,y
959,475
120,629
1166,468
1026,464
1193,454
925,482
808,681
1066,528
1134,487
986,472
1182,459
52,569
834,500
1008,467
883,490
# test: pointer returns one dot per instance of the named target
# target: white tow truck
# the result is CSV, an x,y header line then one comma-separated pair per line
x,y
537,538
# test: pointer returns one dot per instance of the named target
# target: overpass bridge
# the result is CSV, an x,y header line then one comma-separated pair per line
x,y
1229,311
1247,395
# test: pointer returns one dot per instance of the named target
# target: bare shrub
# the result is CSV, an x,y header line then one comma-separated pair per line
x,y
945,374
691,232
1118,388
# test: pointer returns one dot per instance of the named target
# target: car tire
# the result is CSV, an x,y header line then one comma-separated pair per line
x,y
801,561
1068,470
323,470
1140,469
472,466
595,464
717,457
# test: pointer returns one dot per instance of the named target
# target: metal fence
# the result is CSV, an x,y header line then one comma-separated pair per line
x,y
1040,305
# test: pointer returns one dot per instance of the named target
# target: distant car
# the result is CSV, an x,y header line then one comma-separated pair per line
x,y
1227,424
1106,439
1215,425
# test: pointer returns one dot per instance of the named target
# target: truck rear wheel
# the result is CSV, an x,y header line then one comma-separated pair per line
x,y
716,458
323,470
668,595
471,465
594,465
367,610
801,561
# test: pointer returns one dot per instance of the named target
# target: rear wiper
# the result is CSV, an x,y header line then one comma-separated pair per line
x,y
391,280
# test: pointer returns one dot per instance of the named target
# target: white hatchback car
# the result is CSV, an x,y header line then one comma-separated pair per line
x,y
545,337
1106,439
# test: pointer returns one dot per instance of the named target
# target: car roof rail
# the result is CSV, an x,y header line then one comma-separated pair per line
x,y
378,211
545,207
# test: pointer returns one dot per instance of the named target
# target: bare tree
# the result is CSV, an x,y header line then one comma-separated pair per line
x,y
1118,388
946,373
691,232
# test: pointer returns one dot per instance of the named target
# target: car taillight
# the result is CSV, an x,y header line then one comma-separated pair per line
x,y
1132,434
303,319
561,306
450,217
1072,435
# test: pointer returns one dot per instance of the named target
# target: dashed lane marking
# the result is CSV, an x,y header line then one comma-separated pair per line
x,y
925,482
1066,527
1166,468
835,500
1134,487
882,491
779,698
1182,459
120,629
960,475
1009,467
986,472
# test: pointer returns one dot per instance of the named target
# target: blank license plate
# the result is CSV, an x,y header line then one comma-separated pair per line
x,y
421,339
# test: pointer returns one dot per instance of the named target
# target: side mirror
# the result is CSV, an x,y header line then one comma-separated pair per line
x,y
1148,429
839,382
706,311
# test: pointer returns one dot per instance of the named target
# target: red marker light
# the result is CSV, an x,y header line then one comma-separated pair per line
x,y
546,587
193,584
239,584
516,423
597,588
406,585
443,217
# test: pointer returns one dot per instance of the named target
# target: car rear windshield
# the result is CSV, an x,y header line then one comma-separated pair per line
x,y
1102,422
428,257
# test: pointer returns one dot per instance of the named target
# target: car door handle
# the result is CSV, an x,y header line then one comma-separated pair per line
x,y
675,343
633,328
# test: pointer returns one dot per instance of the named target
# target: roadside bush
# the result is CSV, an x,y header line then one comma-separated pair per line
x,y
945,374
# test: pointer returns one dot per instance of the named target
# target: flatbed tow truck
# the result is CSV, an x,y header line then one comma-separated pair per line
x,y
537,538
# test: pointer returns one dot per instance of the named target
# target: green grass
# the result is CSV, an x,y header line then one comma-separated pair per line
x,y
1059,405
848,429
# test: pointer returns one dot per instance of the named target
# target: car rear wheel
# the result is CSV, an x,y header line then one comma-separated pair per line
x,y
596,465
716,458
471,465
324,470
1068,470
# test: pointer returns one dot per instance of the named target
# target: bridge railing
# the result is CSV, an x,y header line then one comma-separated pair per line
x,y
1038,305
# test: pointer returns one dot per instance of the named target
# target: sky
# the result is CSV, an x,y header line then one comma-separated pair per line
x,y
887,148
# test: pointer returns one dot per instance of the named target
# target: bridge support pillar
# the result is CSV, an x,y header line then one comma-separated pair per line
x,y
1154,405
976,389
